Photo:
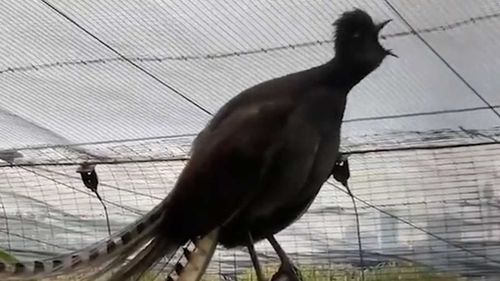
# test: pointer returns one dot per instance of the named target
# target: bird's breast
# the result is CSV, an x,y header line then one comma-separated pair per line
x,y
322,167
294,188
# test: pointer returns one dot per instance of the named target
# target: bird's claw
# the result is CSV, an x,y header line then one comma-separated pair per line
x,y
287,272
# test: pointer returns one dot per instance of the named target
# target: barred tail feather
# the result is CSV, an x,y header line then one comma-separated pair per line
x,y
114,249
120,257
147,257
193,270
115,260
200,258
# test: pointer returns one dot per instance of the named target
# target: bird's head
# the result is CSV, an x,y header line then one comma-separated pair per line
x,y
356,39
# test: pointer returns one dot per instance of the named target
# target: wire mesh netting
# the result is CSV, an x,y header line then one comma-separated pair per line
x,y
433,207
127,85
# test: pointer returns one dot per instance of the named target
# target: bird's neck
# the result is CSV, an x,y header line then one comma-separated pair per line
x,y
344,73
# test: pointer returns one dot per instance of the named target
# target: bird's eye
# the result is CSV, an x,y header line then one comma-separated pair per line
x,y
355,35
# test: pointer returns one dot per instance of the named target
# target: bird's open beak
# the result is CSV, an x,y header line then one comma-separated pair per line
x,y
379,28
382,24
390,53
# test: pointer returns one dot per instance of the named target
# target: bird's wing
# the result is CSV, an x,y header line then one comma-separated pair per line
x,y
226,166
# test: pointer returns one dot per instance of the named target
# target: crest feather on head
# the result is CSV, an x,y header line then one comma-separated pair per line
x,y
351,22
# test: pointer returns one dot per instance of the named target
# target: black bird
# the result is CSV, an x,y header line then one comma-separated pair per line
x,y
256,167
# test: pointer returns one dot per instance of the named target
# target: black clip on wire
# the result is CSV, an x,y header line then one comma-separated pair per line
x,y
342,173
91,181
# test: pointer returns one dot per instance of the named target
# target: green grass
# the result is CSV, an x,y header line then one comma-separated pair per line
x,y
388,272
6,257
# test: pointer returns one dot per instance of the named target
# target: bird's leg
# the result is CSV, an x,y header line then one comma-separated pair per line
x,y
287,270
255,259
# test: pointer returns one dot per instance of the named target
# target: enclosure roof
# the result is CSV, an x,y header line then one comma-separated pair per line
x,y
76,72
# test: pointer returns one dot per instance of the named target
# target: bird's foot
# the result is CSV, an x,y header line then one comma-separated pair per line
x,y
287,272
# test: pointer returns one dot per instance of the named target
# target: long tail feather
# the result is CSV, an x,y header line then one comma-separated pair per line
x,y
120,257
201,257
197,260
117,247
160,247
152,253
